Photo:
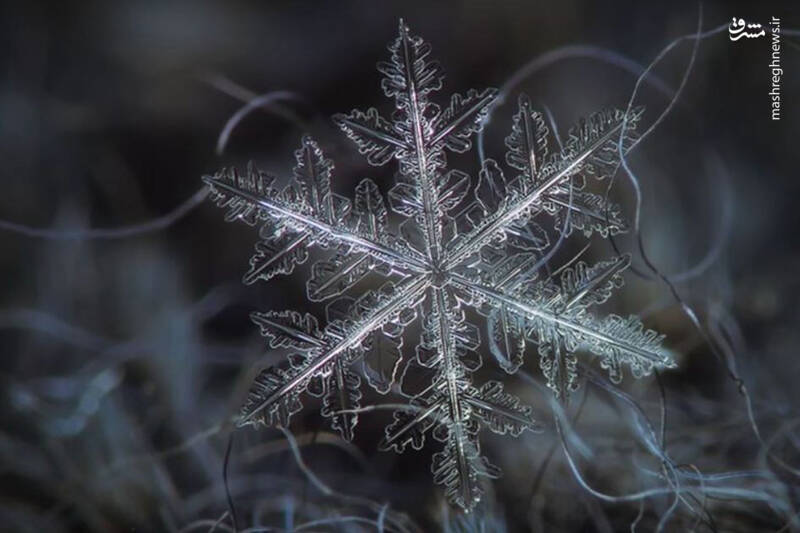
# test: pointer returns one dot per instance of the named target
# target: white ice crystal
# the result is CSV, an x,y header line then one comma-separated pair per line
x,y
459,245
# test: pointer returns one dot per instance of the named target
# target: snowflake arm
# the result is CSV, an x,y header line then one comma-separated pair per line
x,y
267,401
459,464
560,331
303,213
590,149
418,136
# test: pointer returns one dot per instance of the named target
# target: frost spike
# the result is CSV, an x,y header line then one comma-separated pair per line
x,y
256,183
458,467
589,212
312,180
342,395
462,118
279,411
409,67
398,432
592,283
333,277
288,329
559,367
501,411
604,161
276,255
508,338
372,133
527,143
370,209
515,270
630,331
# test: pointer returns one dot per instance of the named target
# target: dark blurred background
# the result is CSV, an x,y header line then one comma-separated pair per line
x,y
126,347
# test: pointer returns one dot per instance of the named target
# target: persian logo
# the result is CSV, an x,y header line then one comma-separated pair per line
x,y
738,28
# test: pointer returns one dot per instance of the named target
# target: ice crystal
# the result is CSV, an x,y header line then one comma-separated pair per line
x,y
458,246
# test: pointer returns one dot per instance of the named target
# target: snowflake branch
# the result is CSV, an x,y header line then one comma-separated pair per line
x,y
452,373
395,436
653,357
403,296
413,104
486,230
359,125
398,259
499,410
465,116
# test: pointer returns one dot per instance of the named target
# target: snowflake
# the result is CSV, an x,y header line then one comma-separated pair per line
x,y
458,246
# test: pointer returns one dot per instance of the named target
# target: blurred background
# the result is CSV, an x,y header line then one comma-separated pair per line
x,y
126,343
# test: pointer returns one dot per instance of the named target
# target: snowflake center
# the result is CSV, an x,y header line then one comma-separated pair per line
x,y
439,277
